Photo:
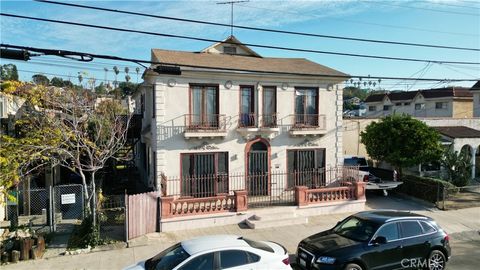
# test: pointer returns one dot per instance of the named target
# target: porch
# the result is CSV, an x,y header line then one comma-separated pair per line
x,y
232,198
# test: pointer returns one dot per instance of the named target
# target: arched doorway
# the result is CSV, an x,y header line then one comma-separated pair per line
x,y
258,167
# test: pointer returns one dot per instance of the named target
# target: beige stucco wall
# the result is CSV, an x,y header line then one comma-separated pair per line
x,y
172,103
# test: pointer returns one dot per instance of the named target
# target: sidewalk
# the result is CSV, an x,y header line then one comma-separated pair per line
x,y
455,221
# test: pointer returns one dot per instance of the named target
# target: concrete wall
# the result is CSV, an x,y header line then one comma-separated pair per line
x,y
172,103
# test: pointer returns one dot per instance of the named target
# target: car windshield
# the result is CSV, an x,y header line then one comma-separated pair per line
x,y
167,259
355,161
356,229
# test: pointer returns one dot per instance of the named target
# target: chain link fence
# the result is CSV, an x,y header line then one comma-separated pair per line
x,y
111,217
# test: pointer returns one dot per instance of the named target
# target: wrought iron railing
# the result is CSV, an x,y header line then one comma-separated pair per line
x,y
269,120
207,122
246,120
301,121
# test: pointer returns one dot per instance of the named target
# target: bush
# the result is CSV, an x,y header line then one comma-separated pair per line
x,y
428,189
85,235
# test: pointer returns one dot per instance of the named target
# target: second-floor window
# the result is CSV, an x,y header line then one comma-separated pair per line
x,y
306,106
372,108
269,106
441,105
419,106
387,107
204,107
247,107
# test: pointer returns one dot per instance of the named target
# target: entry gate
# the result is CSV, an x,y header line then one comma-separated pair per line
x,y
265,188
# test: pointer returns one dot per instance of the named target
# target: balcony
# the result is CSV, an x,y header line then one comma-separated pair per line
x,y
308,124
204,126
251,125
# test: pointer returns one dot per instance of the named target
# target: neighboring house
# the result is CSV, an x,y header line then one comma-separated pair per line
x,y
10,105
476,99
353,101
239,122
454,102
463,139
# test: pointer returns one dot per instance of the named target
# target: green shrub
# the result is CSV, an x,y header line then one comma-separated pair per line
x,y
85,235
428,189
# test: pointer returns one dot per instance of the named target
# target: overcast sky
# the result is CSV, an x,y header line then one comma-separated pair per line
x,y
452,23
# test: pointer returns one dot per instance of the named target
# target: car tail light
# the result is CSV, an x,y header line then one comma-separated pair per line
x,y
446,238
286,261
365,178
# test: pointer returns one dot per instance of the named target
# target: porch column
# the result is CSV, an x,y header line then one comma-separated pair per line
x,y
241,200
166,207
360,190
301,195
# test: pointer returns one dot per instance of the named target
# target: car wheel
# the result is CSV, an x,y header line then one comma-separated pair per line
x,y
353,266
436,260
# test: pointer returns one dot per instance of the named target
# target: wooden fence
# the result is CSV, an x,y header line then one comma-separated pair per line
x,y
142,213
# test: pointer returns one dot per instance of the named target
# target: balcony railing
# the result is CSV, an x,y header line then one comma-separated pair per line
x,y
308,121
247,120
205,122
269,120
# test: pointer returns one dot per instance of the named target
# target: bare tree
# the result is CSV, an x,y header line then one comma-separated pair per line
x,y
82,136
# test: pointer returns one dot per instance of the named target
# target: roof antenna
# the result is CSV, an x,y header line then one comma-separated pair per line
x,y
231,11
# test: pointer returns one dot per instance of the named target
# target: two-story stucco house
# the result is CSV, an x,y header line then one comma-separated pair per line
x,y
453,102
236,121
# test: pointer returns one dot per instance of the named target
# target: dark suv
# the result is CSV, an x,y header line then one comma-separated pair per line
x,y
377,240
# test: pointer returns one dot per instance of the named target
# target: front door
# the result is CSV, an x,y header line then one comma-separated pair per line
x,y
258,177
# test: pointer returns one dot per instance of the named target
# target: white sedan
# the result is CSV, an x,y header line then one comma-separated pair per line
x,y
218,252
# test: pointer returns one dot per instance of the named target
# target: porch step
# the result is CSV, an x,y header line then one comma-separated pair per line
x,y
275,220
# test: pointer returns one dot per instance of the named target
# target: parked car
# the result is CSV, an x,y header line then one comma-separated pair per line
x,y
368,174
218,252
377,240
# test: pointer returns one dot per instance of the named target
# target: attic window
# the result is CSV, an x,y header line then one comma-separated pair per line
x,y
229,50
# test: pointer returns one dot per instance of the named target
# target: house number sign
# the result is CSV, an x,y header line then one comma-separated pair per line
x,y
68,198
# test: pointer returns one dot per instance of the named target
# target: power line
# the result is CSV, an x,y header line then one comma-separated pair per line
x,y
246,44
366,23
453,5
118,58
261,29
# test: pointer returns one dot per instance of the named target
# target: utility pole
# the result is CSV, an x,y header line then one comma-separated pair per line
x,y
231,11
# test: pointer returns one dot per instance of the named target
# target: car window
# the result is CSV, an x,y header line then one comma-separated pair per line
x,y
355,161
258,245
202,262
232,258
167,259
356,229
427,228
410,228
389,231
252,258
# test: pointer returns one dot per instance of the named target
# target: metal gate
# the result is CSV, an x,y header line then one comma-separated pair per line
x,y
69,203
265,188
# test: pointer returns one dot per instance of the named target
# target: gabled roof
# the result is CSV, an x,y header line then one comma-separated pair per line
x,y
458,132
231,41
476,87
455,92
242,62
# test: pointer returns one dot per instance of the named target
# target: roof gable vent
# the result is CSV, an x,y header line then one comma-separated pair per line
x,y
229,49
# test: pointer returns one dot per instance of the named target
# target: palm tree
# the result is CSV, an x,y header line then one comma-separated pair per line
x,y
137,69
80,78
106,71
127,77
116,70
